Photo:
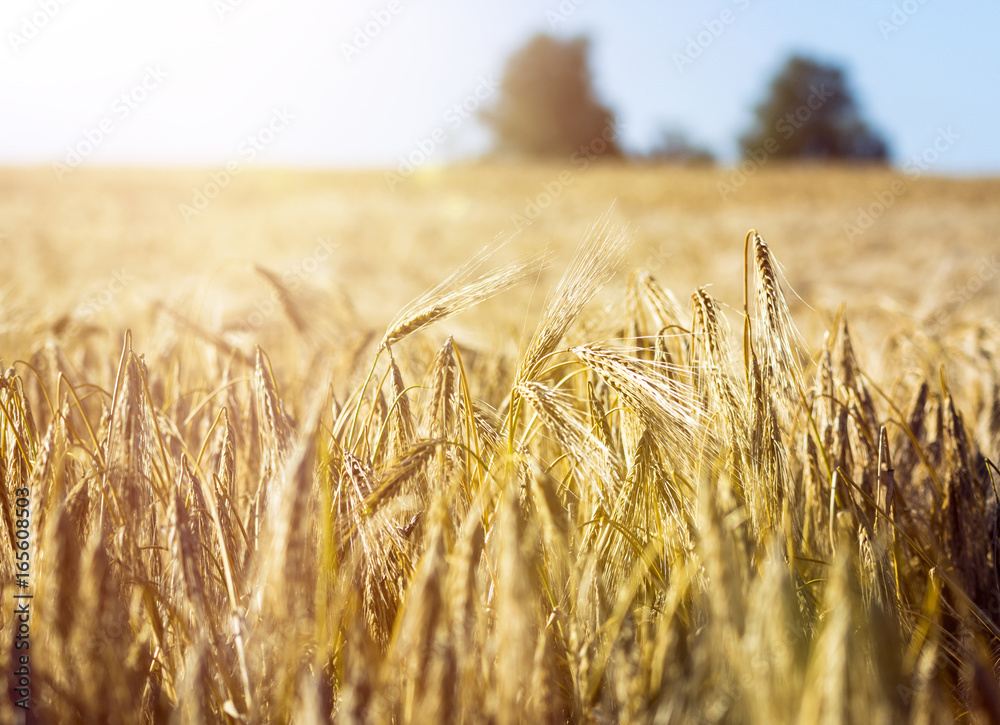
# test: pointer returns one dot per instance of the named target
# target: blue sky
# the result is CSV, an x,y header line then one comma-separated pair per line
x,y
201,82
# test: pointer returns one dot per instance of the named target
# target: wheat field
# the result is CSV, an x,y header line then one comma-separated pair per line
x,y
664,451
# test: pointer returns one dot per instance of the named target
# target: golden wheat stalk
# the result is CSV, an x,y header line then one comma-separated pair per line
x,y
460,291
596,260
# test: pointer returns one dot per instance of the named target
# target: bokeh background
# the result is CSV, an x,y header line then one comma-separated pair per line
x,y
182,147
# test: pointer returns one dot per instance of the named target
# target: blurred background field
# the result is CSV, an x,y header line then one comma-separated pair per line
x,y
929,259
210,137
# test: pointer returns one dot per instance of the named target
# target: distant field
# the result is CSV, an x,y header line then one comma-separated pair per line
x,y
925,257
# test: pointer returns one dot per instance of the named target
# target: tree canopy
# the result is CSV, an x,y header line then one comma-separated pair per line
x,y
675,146
809,112
547,105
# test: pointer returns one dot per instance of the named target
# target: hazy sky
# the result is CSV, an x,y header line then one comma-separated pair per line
x,y
205,81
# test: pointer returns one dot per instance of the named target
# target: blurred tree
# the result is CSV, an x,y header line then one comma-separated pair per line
x,y
676,146
547,105
810,113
